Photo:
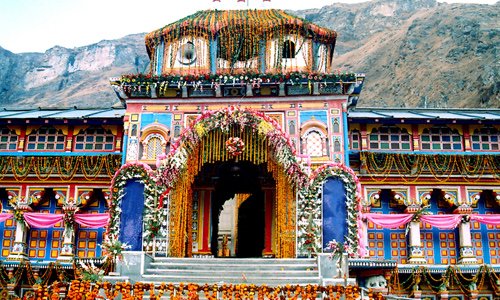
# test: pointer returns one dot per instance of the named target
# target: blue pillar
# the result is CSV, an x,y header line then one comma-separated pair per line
x,y
131,216
159,56
124,148
345,129
315,48
262,55
213,55
334,211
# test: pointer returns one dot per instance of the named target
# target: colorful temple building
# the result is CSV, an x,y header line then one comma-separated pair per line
x,y
243,143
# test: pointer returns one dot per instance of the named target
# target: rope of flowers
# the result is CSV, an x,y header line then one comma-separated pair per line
x,y
310,207
152,213
281,147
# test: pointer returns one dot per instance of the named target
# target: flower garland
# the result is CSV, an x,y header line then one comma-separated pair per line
x,y
152,212
66,167
441,166
309,208
143,83
171,167
235,146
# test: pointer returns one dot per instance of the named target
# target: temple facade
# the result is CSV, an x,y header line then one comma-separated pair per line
x,y
244,142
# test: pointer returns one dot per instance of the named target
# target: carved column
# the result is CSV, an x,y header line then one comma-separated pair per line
x,y
466,252
68,246
416,252
19,248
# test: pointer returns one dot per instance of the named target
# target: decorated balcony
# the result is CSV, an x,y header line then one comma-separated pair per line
x,y
237,85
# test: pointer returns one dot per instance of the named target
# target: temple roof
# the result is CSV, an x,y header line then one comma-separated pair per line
x,y
252,23
72,113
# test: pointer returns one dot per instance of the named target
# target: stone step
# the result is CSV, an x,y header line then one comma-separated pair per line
x,y
269,281
248,272
236,267
237,261
271,272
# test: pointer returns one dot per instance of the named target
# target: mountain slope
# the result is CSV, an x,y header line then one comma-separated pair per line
x,y
425,54
63,77
415,53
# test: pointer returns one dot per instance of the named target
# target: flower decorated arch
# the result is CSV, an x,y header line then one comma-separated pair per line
x,y
309,229
265,142
152,211
172,166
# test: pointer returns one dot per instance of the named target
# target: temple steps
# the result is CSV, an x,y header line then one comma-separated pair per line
x,y
271,272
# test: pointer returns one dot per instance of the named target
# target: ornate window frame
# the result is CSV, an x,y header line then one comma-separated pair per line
x,y
106,144
390,138
441,138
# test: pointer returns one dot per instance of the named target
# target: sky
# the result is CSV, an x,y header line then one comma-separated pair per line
x,y
37,25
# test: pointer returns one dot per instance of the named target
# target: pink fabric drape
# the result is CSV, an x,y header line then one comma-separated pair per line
x,y
362,251
92,220
486,219
5,216
442,221
389,220
42,220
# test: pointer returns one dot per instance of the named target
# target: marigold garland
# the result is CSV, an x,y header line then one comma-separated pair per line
x,y
65,167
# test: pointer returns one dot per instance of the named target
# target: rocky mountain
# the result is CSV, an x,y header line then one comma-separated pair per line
x,y
418,53
63,77
415,53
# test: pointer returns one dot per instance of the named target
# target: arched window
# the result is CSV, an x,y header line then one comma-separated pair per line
x,y
94,139
154,145
46,138
486,138
288,49
314,144
440,138
8,139
390,138
154,140
313,135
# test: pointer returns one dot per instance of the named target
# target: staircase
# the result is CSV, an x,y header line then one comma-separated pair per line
x,y
271,272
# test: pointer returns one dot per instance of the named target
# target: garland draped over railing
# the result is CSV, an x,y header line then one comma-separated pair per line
x,y
65,167
411,167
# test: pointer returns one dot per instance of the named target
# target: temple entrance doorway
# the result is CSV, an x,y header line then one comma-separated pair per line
x,y
238,209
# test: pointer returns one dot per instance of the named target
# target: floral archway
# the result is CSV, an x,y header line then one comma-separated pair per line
x,y
153,212
309,217
206,141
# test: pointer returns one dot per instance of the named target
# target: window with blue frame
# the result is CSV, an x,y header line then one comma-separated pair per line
x,y
8,139
440,246
486,139
8,227
486,238
94,139
385,243
88,239
440,138
46,139
46,243
389,138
